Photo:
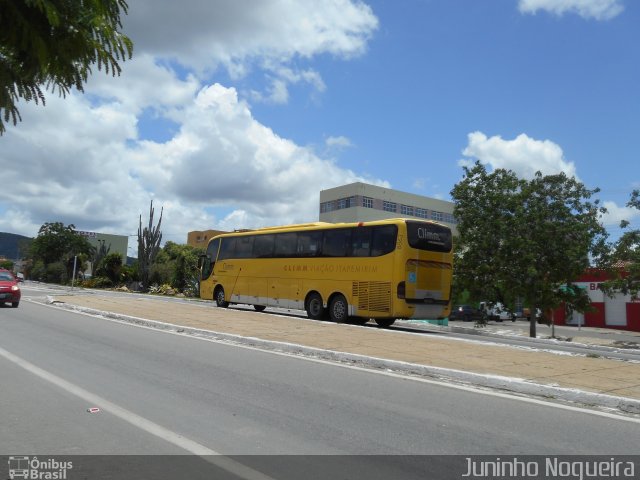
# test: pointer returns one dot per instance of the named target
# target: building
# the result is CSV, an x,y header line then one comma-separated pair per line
x,y
361,202
200,239
618,312
113,243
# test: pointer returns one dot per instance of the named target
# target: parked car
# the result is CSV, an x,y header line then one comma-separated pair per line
x,y
466,313
9,289
497,312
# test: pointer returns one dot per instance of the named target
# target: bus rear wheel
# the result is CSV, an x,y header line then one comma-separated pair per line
x,y
385,322
220,300
259,308
314,307
339,309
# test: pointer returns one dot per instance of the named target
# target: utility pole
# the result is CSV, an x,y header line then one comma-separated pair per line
x,y
73,277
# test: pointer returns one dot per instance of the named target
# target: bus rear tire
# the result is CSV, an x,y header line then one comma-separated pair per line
x,y
339,309
259,308
314,307
385,322
220,300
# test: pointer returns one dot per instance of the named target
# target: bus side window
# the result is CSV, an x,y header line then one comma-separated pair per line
x,y
227,248
384,240
336,242
286,245
361,242
263,246
244,247
309,244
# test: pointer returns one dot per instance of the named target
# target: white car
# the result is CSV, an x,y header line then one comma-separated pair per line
x,y
497,312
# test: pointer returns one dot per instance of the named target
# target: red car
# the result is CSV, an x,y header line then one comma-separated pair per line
x,y
9,289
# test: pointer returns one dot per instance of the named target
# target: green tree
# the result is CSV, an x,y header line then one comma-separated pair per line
x,y
53,44
624,260
525,239
110,267
99,254
177,265
6,264
185,260
58,243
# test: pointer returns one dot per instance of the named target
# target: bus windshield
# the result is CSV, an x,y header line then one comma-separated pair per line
x,y
429,236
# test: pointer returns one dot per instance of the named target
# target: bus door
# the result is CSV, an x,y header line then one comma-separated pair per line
x,y
206,268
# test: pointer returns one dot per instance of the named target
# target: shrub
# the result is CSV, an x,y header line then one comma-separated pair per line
x,y
97,282
55,273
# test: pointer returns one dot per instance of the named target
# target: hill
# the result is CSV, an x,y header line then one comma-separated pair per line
x,y
9,245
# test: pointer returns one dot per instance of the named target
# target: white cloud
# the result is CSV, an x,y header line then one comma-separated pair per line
x,y
339,142
82,160
68,165
615,214
524,155
144,83
279,80
596,9
223,156
242,36
220,32
91,173
277,93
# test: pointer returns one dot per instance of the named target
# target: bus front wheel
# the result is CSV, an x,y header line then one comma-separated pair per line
x,y
259,308
339,309
315,308
220,300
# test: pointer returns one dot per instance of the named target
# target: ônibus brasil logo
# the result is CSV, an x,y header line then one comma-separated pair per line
x,y
35,469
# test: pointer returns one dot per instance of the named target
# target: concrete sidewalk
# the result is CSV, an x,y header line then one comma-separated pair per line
x,y
606,382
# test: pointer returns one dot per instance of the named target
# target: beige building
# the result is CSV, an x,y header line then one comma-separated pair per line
x,y
200,239
361,202
115,243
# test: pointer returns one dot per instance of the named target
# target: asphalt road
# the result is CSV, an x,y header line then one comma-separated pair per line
x,y
160,393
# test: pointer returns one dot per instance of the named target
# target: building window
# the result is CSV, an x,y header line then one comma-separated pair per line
x,y
449,218
326,207
437,216
346,203
367,202
406,210
389,207
422,212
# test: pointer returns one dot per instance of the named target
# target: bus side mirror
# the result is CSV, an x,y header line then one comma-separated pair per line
x,y
201,260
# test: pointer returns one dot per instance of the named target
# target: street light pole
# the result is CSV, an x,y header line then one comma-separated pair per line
x,y
73,278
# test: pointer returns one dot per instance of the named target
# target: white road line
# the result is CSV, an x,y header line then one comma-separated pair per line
x,y
137,421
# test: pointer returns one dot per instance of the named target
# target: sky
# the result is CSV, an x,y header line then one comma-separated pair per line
x,y
235,114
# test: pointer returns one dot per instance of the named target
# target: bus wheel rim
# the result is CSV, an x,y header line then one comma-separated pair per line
x,y
315,307
339,310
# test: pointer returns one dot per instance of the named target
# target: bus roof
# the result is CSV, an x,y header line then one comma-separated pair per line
x,y
322,226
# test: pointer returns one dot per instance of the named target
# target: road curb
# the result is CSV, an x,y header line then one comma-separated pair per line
x,y
495,382
542,341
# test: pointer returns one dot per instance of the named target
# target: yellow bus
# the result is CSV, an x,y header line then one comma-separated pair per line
x,y
382,270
